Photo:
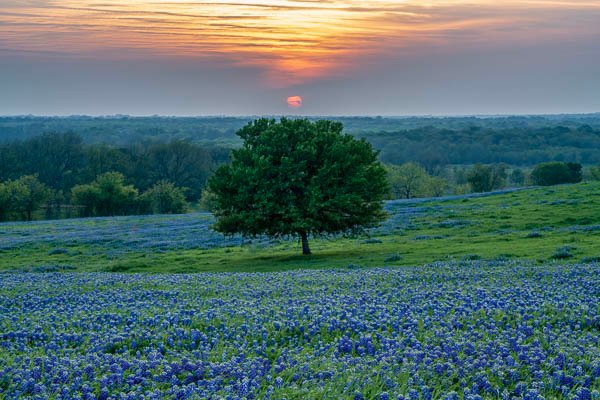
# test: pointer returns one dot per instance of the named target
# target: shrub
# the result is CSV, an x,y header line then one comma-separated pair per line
x,y
22,197
555,173
517,177
107,195
534,234
593,259
562,253
4,201
394,258
353,266
485,178
411,180
208,201
58,251
594,173
429,237
163,198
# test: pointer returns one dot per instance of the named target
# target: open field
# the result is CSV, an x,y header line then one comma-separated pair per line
x,y
489,296
472,330
557,224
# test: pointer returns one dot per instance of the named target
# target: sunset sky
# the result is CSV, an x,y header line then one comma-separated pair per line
x,y
342,57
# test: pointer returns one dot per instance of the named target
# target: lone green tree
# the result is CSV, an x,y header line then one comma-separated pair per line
x,y
298,178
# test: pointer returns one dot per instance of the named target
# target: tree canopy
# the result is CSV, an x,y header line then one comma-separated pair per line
x,y
163,198
108,195
411,180
431,142
554,173
296,177
485,178
22,196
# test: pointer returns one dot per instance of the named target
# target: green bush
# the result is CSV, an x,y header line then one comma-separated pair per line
x,y
485,178
562,253
594,173
20,198
4,200
163,198
534,234
555,173
108,195
411,180
393,258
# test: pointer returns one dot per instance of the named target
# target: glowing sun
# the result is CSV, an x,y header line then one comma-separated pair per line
x,y
294,101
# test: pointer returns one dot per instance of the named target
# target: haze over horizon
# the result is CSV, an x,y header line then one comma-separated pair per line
x,y
341,57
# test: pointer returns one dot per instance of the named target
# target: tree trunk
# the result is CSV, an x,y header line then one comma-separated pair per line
x,y
305,248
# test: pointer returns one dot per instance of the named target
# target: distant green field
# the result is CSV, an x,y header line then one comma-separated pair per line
x,y
553,224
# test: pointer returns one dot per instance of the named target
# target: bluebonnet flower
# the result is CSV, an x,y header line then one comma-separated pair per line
x,y
492,329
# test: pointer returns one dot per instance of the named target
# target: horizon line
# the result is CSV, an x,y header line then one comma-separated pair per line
x,y
241,116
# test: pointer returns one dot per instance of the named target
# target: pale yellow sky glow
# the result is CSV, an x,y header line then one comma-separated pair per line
x,y
290,41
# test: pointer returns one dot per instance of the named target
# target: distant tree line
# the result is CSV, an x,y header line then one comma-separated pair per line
x,y
108,195
411,180
59,175
122,130
61,170
431,142
435,147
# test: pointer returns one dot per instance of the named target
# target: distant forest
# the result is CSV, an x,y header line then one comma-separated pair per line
x,y
430,141
84,166
62,160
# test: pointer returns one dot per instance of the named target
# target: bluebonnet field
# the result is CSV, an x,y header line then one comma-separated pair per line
x,y
160,233
472,330
119,234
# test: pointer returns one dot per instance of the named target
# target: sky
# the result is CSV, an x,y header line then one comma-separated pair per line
x,y
309,57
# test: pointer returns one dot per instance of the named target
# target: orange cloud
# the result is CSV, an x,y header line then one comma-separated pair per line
x,y
294,101
291,41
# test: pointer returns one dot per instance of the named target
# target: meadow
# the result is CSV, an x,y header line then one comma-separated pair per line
x,y
541,225
492,296
472,330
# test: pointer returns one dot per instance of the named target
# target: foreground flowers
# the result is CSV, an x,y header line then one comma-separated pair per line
x,y
475,330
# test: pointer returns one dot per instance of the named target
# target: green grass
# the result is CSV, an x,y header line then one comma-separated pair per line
x,y
529,224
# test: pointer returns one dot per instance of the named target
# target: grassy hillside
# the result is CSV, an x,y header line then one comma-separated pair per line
x,y
542,225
